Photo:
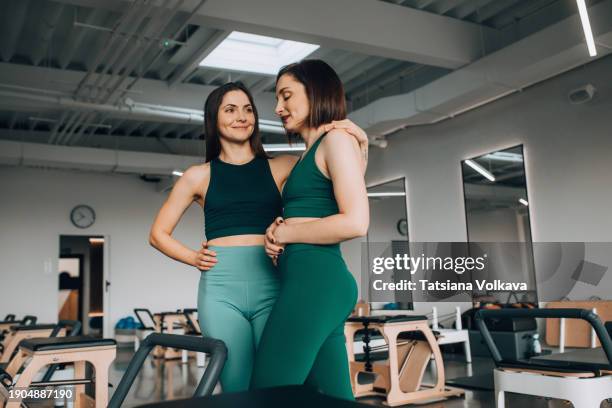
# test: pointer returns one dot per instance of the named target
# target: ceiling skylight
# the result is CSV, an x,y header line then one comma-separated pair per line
x,y
256,53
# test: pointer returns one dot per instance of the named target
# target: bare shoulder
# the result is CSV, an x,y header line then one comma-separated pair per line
x,y
339,139
197,175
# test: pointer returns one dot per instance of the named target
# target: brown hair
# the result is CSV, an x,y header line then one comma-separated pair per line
x,y
211,116
323,88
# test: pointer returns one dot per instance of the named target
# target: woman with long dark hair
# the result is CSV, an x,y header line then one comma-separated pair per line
x,y
238,188
324,203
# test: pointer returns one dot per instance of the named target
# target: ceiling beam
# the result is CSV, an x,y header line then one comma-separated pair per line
x,y
13,30
148,91
444,6
418,4
77,35
13,120
262,85
468,8
202,47
492,9
370,76
49,22
359,70
149,128
450,43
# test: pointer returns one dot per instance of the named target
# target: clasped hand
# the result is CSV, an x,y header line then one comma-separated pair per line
x,y
273,239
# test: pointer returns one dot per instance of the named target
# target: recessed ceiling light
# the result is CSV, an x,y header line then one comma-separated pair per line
x,y
256,53
523,201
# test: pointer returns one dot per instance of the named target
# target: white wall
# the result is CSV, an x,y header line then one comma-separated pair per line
x,y
34,212
568,159
500,225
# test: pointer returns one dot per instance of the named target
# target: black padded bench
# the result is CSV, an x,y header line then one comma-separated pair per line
x,y
30,327
63,343
385,319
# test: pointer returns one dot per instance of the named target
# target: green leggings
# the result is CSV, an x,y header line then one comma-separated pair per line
x,y
303,342
234,300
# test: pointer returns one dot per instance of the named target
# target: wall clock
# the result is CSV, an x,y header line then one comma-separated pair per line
x,y
82,216
402,227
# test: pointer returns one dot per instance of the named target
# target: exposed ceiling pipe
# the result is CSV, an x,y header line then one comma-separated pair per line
x,y
107,46
161,52
156,25
152,45
543,55
133,111
126,46
69,126
132,19
14,153
116,62
56,127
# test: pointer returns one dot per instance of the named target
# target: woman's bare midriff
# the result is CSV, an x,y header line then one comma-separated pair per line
x,y
252,239
238,240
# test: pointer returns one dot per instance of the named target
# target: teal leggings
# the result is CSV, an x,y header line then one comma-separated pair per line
x,y
234,300
303,342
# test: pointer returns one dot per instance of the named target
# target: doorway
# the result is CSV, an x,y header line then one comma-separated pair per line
x,y
81,282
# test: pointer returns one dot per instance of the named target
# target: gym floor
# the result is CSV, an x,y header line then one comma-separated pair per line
x,y
175,380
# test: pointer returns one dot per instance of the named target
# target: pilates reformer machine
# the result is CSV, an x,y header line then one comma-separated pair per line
x,y
35,354
583,377
395,370
178,322
10,321
16,333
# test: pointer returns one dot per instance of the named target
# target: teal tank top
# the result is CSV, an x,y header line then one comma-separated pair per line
x,y
307,192
241,199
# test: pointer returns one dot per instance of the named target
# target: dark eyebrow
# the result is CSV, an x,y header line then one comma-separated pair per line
x,y
230,104
283,90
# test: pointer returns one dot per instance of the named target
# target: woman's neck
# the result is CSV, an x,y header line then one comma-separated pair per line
x,y
236,153
311,135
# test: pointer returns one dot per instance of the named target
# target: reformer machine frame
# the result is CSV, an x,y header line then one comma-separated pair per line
x,y
584,385
399,378
20,332
38,353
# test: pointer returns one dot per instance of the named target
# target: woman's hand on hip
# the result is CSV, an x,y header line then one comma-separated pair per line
x,y
205,258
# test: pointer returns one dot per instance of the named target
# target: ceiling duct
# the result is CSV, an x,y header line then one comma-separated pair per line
x,y
545,54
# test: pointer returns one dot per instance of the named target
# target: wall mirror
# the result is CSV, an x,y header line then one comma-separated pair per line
x,y
497,219
387,236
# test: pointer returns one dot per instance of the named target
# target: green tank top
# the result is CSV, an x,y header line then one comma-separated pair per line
x,y
307,192
241,199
